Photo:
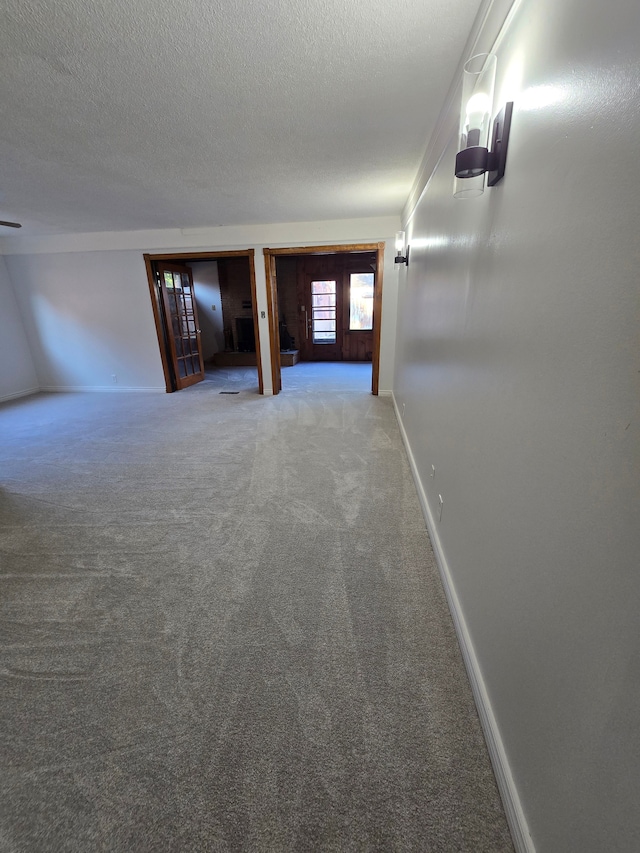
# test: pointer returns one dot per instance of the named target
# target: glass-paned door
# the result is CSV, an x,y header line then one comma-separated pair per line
x,y
323,312
183,331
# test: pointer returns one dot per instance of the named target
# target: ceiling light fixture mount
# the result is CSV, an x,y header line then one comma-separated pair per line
x,y
474,157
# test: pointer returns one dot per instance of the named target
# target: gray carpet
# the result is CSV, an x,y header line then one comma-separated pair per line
x,y
232,379
223,630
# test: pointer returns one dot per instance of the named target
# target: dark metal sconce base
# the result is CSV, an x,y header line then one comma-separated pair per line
x,y
474,161
500,141
402,259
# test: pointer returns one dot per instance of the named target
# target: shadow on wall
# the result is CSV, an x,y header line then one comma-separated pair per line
x,y
206,284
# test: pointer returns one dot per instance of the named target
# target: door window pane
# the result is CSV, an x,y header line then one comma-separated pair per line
x,y
323,312
361,301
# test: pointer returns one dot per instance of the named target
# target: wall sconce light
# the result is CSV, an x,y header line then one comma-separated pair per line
x,y
402,253
474,157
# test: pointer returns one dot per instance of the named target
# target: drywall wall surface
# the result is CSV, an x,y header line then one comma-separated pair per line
x,y
119,254
209,304
17,371
89,320
518,367
364,230
389,316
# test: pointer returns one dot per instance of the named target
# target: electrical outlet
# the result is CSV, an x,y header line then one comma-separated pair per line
x,y
213,308
440,505
114,378
403,408
433,470
263,314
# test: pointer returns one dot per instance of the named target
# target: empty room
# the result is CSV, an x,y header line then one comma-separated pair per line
x,y
319,405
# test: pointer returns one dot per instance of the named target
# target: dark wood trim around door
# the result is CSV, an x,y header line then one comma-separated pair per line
x,y
185,257
157,319
256,329
272,300
274,331
377,319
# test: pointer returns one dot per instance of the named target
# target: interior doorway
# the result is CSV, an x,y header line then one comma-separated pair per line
x,y
223,333
334,297
327,301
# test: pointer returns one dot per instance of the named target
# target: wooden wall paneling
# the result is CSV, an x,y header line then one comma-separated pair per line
x,y
303,319
288,309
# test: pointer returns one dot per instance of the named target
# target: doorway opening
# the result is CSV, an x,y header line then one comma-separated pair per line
x,y
325,304
205,312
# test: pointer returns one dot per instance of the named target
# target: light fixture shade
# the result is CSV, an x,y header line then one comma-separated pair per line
x,y
402,250
478,82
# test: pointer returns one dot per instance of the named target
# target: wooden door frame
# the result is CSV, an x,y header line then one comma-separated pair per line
x,y
194,257
181,382
274,330
272,301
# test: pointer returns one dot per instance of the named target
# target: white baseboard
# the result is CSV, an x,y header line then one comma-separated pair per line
x,y
26,393
522,840
106,389
385,393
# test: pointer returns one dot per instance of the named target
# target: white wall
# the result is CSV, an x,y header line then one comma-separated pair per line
x,y
389,316
209,303
518,367
88,318
17,371
73,292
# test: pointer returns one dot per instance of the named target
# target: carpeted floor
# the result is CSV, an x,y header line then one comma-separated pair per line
x,y
223,630
232,379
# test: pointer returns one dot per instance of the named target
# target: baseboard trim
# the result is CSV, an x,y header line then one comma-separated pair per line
x,y
26,393
516,819
102,389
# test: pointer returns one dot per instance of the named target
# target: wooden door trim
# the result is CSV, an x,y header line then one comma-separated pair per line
x,y
254,303
149,260
201,256
339,249
153,292
344,248
377,319
274,332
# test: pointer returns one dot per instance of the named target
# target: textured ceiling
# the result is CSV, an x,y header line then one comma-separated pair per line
x,y
136,114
